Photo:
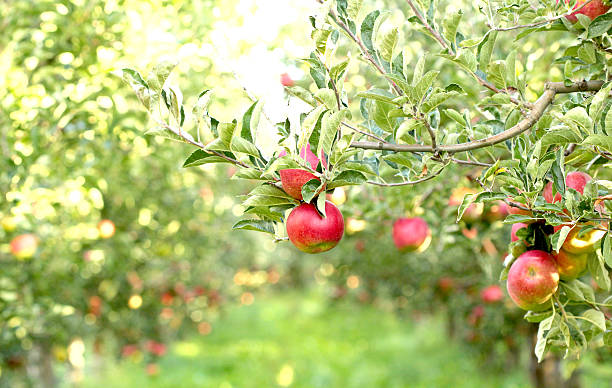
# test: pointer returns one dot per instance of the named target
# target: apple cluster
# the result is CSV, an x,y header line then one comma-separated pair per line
x,y
534,276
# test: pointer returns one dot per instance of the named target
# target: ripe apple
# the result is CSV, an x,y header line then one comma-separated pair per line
x,y
446,284
470,233
576,180
592,10
310,232
286,80
492,294
571,265
473,211
581,244
156,348
24,246
533,279
106,228
476,315
411,234
292,179
515,228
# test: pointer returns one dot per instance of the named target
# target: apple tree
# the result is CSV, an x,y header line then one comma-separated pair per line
x,y
449,86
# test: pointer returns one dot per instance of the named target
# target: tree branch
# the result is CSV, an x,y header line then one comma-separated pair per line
x,y
407,183
543,22
373,136
447,47
538,109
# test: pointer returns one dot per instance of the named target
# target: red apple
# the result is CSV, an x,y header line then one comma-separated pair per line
x,y
533,279
571,265
155,348
515,228
446,284
95,305
292,179
576,180
411,234
286,80
476,315
128,350
24,246
106,228
310,232
592,10
492,294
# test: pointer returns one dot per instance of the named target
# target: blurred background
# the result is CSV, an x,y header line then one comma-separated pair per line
x,y
137,278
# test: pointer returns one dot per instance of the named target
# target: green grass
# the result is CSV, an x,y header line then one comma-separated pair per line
x,y
320,345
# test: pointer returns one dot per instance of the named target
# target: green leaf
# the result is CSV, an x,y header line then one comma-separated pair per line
x,y
380,114
450,25
352,10
578,118
586,52
496,73
302,94
347,178
270,191
543,330
327,97
468,199
597,318
330,124
423,85
199,157
607,249
387,43
264,200
378,95
310,189
599,102
358,166
485,49
367,29
308,125
598,270
561,137
418,70
200,108
321,204
600,25
602,141
561,236
168,134
250,121
256,225
159,74
511,69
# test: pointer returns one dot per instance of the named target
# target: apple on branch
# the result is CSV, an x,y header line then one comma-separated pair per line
x,y
24,246
593,9
312,233
292,179
532,280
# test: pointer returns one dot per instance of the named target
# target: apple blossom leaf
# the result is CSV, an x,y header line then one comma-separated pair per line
x,y
514,218
450,25
266,213
387,42
587,291
200,109
320,205
311,188
244,146
598,270
327,97
377,94
559,237
352,10
308,125
200,157
284,162
248,173
256,225
599,102
160,73
562,136
250,121
330,123
543,331
485,49
358,166
596,318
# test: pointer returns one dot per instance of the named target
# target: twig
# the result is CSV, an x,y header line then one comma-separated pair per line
x,y
364,132
407,183
447,47
543,22
539,107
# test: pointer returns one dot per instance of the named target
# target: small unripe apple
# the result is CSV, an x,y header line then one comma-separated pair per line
x,y
515,228
571,265
286,80
24,246
292,179
310,232
492,294
591,10
575,180
532,280
106,228
411,234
